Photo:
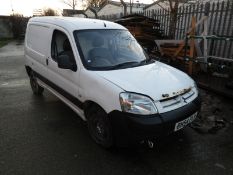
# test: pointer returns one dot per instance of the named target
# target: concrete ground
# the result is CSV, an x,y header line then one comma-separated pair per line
x,y
41,135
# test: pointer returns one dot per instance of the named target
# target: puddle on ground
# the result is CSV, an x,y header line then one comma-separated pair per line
x,y
14,83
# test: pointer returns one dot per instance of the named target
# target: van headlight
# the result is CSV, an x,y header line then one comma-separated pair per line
x,y
137,104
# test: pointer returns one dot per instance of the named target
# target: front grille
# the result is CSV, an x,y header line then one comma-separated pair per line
x,y
176,100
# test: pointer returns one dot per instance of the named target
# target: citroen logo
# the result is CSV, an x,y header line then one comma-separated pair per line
x,y
184,99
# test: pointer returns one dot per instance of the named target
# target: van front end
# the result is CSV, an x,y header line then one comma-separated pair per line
x,y
129,128
159,101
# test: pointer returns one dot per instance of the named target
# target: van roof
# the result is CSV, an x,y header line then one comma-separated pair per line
x,y
74,23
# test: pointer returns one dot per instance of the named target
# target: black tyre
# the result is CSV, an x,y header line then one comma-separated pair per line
x,y
99,126
36,88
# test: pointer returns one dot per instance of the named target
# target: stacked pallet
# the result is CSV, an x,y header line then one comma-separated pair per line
x,y
145,30
170,50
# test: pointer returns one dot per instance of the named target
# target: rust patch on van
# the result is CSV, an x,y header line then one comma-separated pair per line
x,y
183,91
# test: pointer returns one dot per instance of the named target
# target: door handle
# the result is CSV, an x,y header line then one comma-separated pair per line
x,y
47,61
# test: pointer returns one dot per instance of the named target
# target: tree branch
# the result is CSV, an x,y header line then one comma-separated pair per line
x,y
71,3
94,11
162,7
67,3
170,4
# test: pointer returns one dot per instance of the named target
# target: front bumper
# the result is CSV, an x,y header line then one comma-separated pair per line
x,y
131,128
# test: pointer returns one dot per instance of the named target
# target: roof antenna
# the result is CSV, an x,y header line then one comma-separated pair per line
x,y
105,25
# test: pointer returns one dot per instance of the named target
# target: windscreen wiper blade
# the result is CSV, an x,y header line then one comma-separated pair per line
x,y
125,64
148,60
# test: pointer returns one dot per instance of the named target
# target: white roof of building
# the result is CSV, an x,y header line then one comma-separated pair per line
x,y
74,23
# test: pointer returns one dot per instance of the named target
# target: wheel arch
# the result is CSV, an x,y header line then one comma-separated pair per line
x,y
89,104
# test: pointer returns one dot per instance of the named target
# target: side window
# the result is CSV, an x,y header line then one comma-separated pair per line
x,y
61,46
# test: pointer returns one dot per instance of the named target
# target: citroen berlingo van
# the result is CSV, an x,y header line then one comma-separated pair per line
x,y
100,71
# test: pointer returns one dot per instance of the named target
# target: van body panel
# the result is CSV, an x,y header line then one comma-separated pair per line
x,y
153,79
99,90
73,106
70,23
169,94
65,79
36,46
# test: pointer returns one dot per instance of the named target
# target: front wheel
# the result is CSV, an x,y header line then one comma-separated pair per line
x,y
99,126
36,88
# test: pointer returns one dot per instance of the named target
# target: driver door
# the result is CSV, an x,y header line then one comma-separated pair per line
x,y
64,81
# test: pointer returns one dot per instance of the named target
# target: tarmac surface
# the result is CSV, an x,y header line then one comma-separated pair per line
x,y
42,136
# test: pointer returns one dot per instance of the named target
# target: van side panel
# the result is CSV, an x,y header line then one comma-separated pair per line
x,y
99,90
65,79
37,42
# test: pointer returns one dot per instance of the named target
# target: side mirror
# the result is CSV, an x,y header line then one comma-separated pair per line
x,y
64,62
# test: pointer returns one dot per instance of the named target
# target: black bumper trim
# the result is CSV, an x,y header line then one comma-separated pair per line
x,y
131,128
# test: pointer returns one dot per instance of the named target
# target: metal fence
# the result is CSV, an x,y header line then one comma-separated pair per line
x,y
220,23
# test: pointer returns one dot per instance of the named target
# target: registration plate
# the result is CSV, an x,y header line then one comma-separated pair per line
x,y
183,123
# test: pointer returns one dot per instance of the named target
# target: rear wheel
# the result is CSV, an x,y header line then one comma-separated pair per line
x,y
36,88
99,126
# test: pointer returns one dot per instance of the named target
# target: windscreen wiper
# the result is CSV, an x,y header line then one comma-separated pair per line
x,y
125,64
146,61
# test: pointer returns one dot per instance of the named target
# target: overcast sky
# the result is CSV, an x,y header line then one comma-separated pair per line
x,y
26,7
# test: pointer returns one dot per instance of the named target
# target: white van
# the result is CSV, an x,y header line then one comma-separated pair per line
x,y
101,72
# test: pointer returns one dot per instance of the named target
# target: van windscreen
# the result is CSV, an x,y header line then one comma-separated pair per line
x,y
109,49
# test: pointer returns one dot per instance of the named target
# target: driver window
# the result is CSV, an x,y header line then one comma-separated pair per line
x,y
61,46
